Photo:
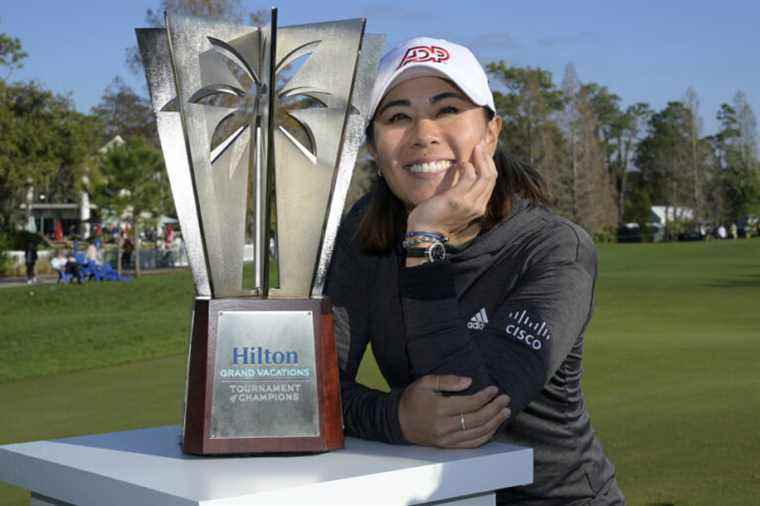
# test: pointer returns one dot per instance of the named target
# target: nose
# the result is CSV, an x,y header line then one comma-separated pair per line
x,y
424,133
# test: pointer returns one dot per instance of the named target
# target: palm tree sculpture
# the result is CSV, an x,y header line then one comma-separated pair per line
x,y
238,104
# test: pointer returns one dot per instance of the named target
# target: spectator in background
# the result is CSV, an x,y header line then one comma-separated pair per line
x,y
58,263
169,239
722,232
734,231
66,264
72,267
93,255
30,258
126,253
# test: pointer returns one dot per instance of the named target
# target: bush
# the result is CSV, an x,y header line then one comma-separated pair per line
x,y
18,239
651,233
5,259
606,235
15,241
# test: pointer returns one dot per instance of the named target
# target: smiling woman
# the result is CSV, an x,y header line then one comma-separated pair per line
x,y
473,294
397,192
426,131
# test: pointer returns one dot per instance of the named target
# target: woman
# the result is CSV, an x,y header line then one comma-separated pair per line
x,y
30,258
474,295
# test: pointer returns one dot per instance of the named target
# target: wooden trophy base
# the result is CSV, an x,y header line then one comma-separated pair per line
x,y
262,378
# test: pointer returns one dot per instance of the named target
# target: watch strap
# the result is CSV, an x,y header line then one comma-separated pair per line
x,y
417,252
436,252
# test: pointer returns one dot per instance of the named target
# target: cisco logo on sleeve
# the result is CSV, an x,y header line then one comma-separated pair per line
x,y
531,332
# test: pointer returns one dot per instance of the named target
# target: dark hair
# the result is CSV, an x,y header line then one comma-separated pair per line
x,y
383,223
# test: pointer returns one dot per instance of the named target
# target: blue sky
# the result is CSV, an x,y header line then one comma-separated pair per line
x,y
643,51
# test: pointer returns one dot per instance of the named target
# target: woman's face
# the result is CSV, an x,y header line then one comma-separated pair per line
x,y
422,128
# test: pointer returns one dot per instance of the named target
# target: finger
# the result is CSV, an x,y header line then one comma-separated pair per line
x,y
482,187
470,434
447,382
486,170
473,443
483,161
489,427
478,195
469,403
459,195
467,177
472,172
464,197
472,425
487,412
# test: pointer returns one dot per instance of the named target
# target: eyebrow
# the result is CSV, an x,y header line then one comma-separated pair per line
x,y
393,103
445,95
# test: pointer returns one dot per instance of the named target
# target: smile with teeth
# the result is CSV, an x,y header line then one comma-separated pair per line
x,y
429,167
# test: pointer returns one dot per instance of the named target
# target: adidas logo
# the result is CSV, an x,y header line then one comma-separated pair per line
x,y
479,320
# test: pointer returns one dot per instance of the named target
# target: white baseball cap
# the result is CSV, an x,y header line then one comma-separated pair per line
x,y
423,56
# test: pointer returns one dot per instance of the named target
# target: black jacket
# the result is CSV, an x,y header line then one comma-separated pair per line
x,y
509,310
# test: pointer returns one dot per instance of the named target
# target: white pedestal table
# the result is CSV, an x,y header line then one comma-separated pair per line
x,y
146,467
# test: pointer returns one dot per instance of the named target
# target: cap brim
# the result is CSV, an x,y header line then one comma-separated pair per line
x,y
406,74
413,73
422,70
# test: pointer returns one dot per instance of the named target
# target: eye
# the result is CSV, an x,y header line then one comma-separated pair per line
x,y
399,116
449,109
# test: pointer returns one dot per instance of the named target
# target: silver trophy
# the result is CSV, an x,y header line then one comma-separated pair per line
x,y
260,129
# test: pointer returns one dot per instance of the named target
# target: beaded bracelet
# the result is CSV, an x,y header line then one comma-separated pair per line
x,y
416,238
433,236
415,241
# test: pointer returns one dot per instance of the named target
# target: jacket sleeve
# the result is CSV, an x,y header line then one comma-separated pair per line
x,y
367,413
527,337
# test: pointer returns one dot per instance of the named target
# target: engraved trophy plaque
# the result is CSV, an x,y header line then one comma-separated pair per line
x,y
251,144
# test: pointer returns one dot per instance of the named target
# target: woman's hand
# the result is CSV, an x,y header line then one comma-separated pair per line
x,y
468,421
452,212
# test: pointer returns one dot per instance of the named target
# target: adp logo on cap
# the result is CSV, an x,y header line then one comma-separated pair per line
x,y
419,54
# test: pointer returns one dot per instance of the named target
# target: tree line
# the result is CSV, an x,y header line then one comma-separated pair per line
x,y
606,164
48,146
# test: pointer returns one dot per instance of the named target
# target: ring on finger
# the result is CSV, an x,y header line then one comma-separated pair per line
x,y
461,421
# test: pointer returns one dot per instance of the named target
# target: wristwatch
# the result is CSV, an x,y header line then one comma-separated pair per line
x,y
436,252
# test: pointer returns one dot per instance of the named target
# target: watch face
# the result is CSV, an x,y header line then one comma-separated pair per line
x,y
437,252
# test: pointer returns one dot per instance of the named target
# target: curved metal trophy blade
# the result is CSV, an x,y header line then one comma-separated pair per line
x,y
154,50
305,176
220,172
371,50
264,173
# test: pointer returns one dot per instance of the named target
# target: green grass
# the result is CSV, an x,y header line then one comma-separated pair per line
x,y
52,329
672,378
671,375
141,394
